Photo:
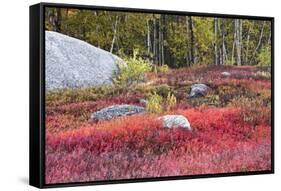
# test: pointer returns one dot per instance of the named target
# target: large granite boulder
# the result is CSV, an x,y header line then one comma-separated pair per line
x,y
116,111
174,121
74,63
198,90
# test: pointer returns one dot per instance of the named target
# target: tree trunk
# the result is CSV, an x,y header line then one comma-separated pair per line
x,y
238,27
259,42
166,56
187,43
215,41
234,43
114,33
97,29
241,40
222,44
191,40
269,37
148,38
65,28
154,41
159,42
55,19
163,30
247,45
58,23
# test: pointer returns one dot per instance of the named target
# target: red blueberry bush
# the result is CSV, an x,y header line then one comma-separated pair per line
x,y
232,135
138,147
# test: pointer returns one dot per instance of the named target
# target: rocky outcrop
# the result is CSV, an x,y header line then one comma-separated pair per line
x,y
116,111
71,63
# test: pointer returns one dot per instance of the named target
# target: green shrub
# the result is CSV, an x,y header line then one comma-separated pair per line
x,y
143,88
164,68
155,103
263,74
171,101
213,99
163,90
133,72
264,57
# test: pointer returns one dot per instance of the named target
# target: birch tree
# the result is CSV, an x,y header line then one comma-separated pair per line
x,y
247,44
114,33
174,40
259,43
215,40
223,49
238,39
191,35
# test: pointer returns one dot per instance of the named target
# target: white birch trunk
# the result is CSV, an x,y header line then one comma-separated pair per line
x,y
216,48
148,38
247,45
114,34
259,42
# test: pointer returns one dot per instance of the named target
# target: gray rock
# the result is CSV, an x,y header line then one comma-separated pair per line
x,y
226,74
116,111
74,63
198,90
170,121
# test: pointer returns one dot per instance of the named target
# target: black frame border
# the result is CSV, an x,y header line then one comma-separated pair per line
x,y
37,95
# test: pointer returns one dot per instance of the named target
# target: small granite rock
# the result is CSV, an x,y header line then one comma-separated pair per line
x,y
198,90
226,74
116,111
170,121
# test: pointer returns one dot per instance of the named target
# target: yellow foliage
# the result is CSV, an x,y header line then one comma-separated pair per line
x,y
171,101
154,104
